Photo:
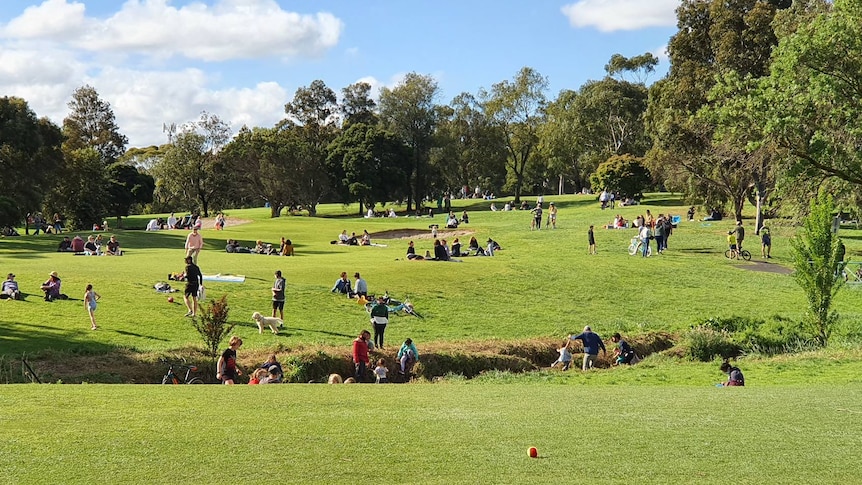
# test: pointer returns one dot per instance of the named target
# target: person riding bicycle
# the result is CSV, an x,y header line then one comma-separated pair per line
x,y
731,242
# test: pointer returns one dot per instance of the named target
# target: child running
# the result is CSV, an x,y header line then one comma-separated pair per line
x,y
90,299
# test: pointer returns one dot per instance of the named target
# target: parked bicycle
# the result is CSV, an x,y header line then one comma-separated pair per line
x,y
737,254
636,247
172,377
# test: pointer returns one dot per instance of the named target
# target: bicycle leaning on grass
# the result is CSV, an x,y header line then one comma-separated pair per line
x,y
172,377
737,254
636,246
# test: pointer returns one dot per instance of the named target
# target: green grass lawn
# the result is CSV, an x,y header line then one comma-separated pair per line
x,y
542,284
446,433
662,421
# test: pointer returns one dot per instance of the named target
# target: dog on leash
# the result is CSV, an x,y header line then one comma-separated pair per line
x,y
272,322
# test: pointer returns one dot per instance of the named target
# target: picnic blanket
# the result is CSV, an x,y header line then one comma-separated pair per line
x,y
226,278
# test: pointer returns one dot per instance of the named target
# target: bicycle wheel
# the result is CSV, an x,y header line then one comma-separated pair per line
x,y
745,255
195,380
727,254
169,380
633,248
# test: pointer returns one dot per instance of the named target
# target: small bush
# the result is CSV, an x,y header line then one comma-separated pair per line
x,y
704,344
213,325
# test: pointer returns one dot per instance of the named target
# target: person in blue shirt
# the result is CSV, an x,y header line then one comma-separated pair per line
x,y
407,356
342,284
592,343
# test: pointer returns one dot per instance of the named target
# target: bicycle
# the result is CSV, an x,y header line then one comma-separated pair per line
x,y
739,253
172,378
636,246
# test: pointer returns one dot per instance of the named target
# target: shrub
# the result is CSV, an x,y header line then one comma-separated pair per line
x,y
704,344
213,325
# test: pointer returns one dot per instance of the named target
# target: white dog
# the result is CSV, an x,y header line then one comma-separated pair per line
x,y
272,322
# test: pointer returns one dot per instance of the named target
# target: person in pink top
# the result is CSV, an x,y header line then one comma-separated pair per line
x,y
194,244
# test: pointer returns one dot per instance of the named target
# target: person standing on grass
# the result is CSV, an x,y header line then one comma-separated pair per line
x,y
379,318
278,295
740,234
360,355
90,299
659,233
731,244
194,243
537,217
645,234
194,283
552,216
592,343
227,370
765,243
591,237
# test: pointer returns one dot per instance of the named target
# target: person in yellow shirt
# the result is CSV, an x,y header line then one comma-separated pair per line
x,y
731,242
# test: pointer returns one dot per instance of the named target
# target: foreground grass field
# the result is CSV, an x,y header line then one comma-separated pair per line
x,y
447,433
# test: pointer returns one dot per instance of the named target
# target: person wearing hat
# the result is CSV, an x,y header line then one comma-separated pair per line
x,y
592,343
52,287
10,288
552,216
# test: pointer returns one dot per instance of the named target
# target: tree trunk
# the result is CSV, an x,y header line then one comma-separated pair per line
x,y
561,191
761,198
312,210
274,210
119,222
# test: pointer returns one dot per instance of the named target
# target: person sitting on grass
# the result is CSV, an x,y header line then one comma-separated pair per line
x,y
734,375
366,239
51,288
440,253
452,221
10,288
456,248
90,248
411,252
342,284
113,247
257,377
65,245
473,246
286,247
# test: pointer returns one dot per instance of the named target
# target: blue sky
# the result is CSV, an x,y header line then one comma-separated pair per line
x,y
164,61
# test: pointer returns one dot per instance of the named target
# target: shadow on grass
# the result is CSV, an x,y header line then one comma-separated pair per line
x,y
325,332
133,334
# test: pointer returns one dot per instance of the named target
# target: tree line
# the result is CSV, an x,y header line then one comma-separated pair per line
x,y
760,105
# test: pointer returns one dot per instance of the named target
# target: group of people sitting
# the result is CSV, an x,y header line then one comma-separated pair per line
x,y
342,286
386,213
443,252
260,247
94,246
619,222
452,221
353,240
269,372
50,288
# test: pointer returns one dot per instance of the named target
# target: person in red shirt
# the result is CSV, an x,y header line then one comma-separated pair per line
x,y
360,354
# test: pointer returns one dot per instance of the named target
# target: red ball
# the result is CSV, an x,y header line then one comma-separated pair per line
x,y
170,299
533,452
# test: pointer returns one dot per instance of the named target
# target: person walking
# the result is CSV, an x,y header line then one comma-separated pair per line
x,y
227,370
379,318
90,299
194,244
592,343
278,296
360,355
194,284
591,238
552,216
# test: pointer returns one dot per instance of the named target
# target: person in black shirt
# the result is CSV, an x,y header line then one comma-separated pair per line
x,y
623,352
194,282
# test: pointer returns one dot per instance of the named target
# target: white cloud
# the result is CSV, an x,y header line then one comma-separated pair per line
x,y
613,15
662,54
229,29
